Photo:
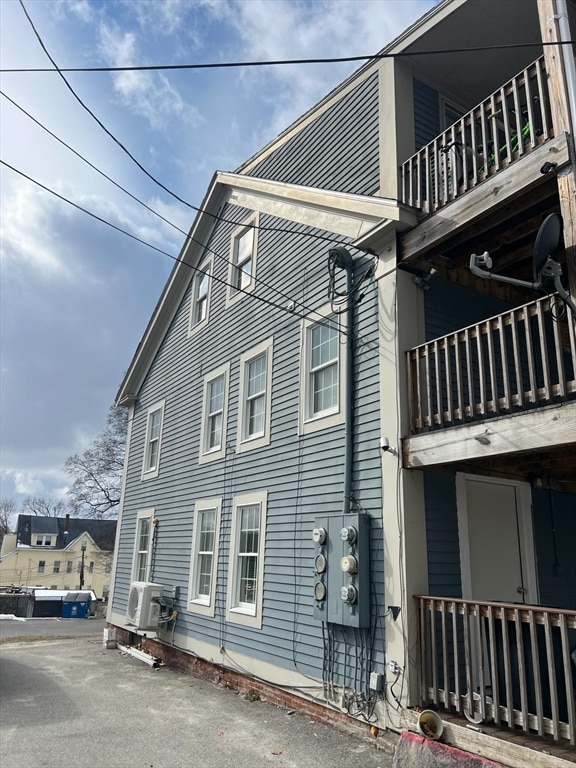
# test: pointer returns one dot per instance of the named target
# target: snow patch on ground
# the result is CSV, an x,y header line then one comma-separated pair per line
x,y
11,616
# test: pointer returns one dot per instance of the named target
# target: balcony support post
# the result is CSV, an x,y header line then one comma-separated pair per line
x,y
560,105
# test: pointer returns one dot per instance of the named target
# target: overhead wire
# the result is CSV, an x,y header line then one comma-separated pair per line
x,y
322,321
144,170
291,62
188,237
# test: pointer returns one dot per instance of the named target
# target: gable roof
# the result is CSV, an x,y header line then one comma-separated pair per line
x,y
349,215
103,532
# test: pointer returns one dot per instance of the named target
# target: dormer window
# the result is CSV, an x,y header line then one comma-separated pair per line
x,y
43,540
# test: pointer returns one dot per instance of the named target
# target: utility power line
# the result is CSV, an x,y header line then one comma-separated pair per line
x,y
291,62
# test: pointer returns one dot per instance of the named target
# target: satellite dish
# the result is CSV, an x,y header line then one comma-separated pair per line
x,y
547,242
547,271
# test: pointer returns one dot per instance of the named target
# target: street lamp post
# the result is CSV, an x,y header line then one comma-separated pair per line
x,y
83,548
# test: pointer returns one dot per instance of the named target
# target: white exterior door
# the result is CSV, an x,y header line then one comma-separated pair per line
x,y
496,540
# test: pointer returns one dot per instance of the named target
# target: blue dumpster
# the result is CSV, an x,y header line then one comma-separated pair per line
x,y
76,605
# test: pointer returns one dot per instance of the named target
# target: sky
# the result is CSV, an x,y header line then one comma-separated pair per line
x,y
76,295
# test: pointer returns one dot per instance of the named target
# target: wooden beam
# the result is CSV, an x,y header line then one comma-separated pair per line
x,y
543,429
558,90
503,188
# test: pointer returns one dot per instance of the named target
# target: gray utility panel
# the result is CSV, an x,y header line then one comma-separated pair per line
x,y
342,569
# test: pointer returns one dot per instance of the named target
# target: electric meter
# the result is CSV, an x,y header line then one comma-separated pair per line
x,y
349,594
320,564
349,534
319,591
349,564
319,535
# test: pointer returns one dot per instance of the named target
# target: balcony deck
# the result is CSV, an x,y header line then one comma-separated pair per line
x,y
511,123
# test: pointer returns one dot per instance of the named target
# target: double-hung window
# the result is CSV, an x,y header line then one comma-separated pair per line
x,y
246,559
242,271
56,566
143,545
41,566
155,419
322,373
214,414
255,395
204,556
200,297
69,566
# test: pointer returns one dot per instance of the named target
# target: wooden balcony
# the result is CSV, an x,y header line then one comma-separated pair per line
x,y
509,363
511,664
509,124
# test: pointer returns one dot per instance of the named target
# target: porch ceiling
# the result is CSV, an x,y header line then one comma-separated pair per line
x,y
474,25
508,232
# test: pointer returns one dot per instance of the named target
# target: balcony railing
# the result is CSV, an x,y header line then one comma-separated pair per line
x,y
511,664
519,360
510,123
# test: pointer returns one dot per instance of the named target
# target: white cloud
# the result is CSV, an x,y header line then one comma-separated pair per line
x,y
147,94
37,482
27,231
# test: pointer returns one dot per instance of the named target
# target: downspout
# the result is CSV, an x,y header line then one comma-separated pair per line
x,y
349,389
568,57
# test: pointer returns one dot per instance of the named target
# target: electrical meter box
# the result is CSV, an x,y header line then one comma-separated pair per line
x,y
342,569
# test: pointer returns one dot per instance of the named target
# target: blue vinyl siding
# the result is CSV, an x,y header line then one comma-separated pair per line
x,y
442,534
426,114
337,151
303,475
554,517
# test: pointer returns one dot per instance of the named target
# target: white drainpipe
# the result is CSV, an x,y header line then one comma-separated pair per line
x,y
569,63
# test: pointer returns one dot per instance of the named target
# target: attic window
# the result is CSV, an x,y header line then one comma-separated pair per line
x,y
242,271
43,540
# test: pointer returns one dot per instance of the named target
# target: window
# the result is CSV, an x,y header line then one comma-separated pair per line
x,y
242,260
322,373
143,546
91,567
200,297
56,566
204,556
255,396
69,566
153,440
41,566
246,561
214,413
108,567
43,540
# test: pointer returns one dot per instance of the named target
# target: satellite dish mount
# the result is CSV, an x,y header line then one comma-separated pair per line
x,y
546,270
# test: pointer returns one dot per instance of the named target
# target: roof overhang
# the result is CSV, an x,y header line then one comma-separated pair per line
x,y
359,218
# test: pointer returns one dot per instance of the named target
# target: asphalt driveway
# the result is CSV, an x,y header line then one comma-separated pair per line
x,y
70,702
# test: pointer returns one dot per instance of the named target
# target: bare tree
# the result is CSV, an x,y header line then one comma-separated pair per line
x,y
97,473
43,507
8,509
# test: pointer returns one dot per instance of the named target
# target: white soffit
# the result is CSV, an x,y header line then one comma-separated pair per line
x,y
343,214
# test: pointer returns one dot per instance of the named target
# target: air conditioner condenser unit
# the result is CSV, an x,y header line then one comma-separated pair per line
x,y
143,605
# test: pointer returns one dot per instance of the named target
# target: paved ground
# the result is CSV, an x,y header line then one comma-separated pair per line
x,y
11,631
70,702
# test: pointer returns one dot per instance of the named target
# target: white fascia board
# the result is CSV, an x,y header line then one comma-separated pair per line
x,y
342,213
169,301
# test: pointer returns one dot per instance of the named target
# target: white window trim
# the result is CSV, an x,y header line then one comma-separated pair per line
x,y
148,474
308,424
212,455
206,266
46,539
233,295
143,513
249,443
235,614
197,604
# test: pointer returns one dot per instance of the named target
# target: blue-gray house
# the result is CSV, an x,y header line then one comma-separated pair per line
x,y
351,460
